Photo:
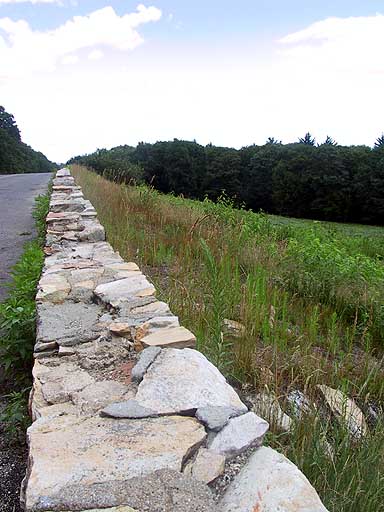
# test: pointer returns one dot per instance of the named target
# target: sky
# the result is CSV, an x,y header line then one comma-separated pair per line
x,y
85,74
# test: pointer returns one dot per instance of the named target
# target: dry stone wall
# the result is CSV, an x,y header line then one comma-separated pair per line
x,y
127,415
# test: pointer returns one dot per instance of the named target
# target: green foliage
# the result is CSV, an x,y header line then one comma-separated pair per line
x,y
8,123
305,180
347,475
15,416
18,311
15,156
307,139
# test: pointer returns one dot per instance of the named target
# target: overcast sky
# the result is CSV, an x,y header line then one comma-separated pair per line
x,y
84,74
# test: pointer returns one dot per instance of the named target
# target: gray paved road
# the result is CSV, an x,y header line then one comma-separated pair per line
x,y
17,193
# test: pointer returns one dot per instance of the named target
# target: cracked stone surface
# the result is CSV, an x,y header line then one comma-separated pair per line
x,y
182,380
164,490
239,434
215,417
130,409
85,452
147,356
269,482
206,467
124,289
68,324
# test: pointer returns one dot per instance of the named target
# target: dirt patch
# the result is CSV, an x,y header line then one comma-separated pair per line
x,y
13,457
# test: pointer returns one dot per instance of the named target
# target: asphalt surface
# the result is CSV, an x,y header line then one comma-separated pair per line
x,y
17,194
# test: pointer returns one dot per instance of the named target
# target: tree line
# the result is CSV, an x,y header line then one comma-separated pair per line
x,y
15,156
304,179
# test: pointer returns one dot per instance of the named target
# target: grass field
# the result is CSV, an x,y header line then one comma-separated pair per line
x,y
309,294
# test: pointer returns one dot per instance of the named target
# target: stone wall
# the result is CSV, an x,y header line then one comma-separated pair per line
x,y
127,415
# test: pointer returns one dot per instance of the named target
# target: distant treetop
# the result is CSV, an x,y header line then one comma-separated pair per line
x,y
8,123
307,139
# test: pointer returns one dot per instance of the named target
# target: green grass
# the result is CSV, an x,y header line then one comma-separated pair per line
x,y
310,296
17,325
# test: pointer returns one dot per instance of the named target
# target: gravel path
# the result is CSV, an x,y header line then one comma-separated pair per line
x,y
17,193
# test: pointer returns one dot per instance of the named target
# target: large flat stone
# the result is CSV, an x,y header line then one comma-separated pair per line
x,y
130,409
173,337
239,434
345,411
184,380
215,418
53,288
164,490
68,324
124,289
83,453
266,405
269,482
96,396
154,324
206,467
63,172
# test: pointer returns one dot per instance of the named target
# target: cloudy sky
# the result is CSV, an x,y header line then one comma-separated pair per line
x,y
83,74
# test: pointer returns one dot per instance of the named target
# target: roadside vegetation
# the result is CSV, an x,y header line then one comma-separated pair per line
x,y
17,327
310,297
16,157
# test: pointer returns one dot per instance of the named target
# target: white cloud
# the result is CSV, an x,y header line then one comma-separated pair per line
x,y
325,79
95,55
23,50
340,44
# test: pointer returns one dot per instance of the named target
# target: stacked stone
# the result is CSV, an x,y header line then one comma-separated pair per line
x,y
126,414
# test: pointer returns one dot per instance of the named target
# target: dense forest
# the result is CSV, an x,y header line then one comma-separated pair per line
x,y
320,181
15,156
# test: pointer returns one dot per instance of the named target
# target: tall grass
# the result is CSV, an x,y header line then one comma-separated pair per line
x,y
309,298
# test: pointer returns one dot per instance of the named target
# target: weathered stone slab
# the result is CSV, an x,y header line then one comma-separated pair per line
x,y
130,409
267,406
215,418
164,490
93,232
53,288
156,308
233,328
147,356
154,324
61,173
173,337
96,396
207,466
69,323
182,380
124,289
83,453
67,205
269,482
239,434
345,410
62,217
123,266
61,383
